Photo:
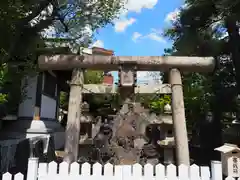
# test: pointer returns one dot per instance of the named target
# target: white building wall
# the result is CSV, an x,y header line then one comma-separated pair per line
x,y
26,108
48,107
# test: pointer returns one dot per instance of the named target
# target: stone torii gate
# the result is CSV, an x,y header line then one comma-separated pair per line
x,y
126,65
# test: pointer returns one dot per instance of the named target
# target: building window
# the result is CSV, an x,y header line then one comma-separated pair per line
x,y
49,85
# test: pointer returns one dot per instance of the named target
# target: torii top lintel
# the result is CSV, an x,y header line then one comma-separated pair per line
x,y
111,63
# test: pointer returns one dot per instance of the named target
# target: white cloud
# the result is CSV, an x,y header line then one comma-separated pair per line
x,y
138,5
136,36
121,25
98,43
172,16
132,6
154,35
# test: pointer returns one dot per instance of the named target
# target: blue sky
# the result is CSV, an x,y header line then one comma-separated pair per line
x,y
138,31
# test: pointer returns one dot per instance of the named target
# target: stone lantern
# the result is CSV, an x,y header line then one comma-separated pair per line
x,y
167,137
86,124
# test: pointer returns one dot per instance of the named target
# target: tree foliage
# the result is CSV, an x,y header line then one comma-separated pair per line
x,y
21,21
209,28
24,25
157,105
93,77
199,32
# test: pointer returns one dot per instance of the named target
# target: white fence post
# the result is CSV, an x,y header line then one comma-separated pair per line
x,y
121,172
216,168
18,176
7,176
32,171
205,172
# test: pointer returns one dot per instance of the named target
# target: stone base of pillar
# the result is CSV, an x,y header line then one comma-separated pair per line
x,y
33,128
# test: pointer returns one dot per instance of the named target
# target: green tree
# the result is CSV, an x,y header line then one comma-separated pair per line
x,y
93,77
22,24
200,31
21,21
193,34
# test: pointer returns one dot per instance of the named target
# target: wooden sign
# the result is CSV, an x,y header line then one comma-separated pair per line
x,y
233,166
230,157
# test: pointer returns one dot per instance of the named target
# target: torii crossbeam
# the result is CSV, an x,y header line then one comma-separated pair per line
x,y
143,63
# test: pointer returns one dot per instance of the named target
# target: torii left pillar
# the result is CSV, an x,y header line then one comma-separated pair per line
x,y
74,115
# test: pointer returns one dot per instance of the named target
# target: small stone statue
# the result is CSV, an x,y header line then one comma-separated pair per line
x,y
151,150
209,117
102,149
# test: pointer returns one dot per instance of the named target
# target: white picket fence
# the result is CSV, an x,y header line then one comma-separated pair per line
x,y
53,171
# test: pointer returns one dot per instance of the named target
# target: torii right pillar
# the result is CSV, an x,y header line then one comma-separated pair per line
x,y
179,122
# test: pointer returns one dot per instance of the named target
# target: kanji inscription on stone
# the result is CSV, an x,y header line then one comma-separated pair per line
x,y
235,165
127,77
